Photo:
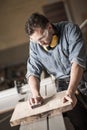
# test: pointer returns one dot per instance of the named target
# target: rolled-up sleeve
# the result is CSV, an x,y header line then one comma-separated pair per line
x,y
34,66
77,48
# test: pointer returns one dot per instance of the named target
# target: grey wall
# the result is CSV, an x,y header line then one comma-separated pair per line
x,y
12,56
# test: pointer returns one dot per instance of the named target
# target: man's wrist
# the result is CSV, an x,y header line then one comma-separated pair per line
x,y
36,95
70,93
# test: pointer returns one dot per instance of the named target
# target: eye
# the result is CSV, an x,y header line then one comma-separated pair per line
x,y
41,42
41,38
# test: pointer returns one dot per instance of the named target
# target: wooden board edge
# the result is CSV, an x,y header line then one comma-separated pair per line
x,y
40,116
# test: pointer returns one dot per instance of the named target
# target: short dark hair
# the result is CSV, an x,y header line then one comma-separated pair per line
x,y
34,21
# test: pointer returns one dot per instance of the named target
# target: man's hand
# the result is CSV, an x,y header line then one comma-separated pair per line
x,y
71,98
75,77
35,101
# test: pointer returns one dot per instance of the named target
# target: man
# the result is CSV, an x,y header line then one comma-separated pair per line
x,y
58,48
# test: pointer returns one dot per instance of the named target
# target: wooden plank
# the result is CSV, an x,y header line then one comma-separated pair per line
x,y
8,92
48,90
51,89
47,86
56,122
12,97
47,81
38,125
6,96
51,106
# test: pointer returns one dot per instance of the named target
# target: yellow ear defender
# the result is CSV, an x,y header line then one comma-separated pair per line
x,y
53,42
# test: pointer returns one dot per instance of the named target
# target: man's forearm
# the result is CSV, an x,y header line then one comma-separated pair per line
x,y
34,85
75,77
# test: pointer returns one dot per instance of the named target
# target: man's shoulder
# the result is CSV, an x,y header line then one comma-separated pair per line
x,y
64,24
32,46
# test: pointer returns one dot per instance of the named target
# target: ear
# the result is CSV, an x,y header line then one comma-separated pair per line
x,y
49,26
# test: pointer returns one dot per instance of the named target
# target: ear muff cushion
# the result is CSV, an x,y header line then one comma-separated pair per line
x,y
54,41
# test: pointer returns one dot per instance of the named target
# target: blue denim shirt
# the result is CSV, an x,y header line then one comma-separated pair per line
x,y
58,61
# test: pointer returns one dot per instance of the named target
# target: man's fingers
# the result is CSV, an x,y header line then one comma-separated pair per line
x,y
67,98
31,101
72,99
35,101
38,100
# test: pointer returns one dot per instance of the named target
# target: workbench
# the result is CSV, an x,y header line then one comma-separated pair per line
x,y
46,117
48,123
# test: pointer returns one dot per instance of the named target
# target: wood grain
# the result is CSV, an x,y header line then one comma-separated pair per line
x,y
52,105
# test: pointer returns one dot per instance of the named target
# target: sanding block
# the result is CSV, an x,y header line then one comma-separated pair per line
x,y
36,105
